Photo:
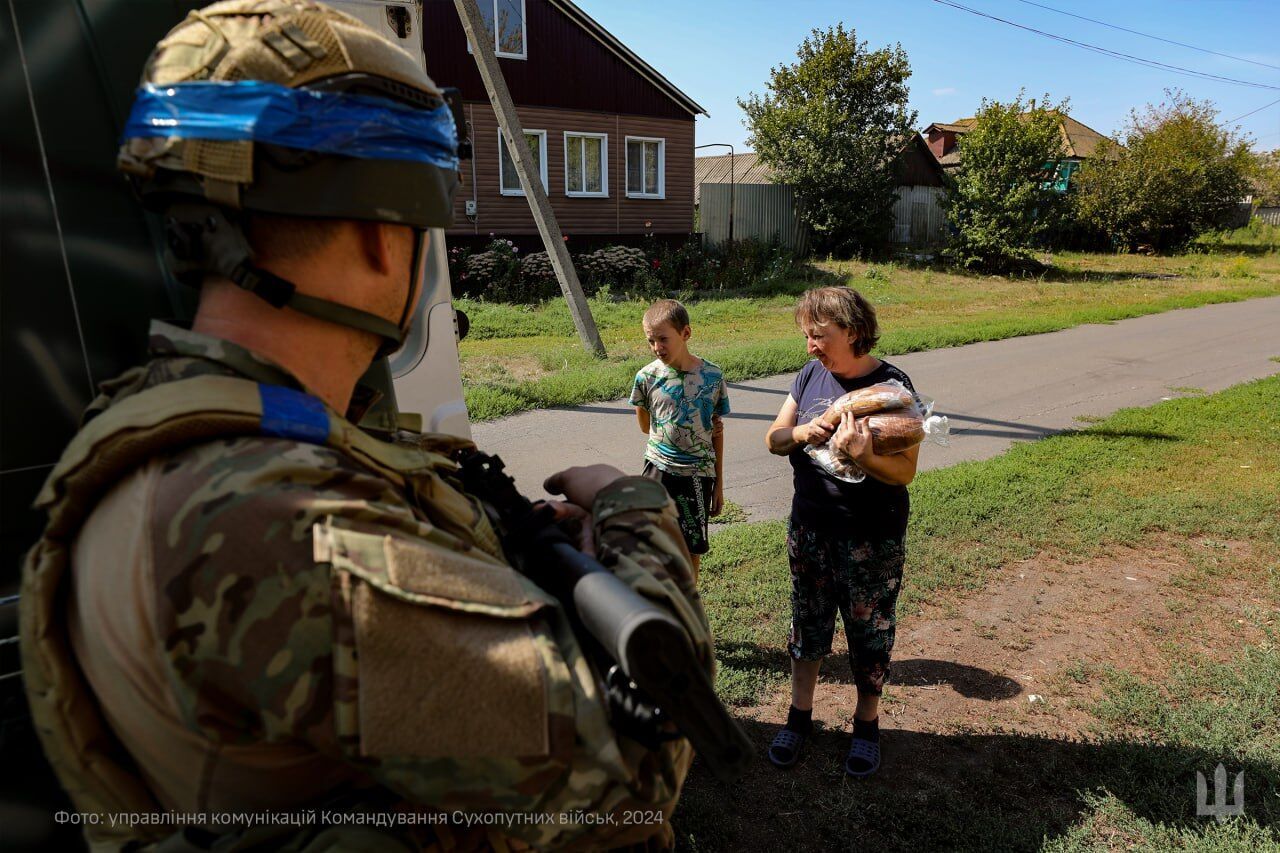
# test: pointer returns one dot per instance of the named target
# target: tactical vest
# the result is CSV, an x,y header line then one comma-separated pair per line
x,y
90,763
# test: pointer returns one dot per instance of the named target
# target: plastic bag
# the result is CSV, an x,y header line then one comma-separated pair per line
x,y
898,418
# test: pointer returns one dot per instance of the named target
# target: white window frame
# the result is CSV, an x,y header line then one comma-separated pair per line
x,y
662,166
524,33
542,167
604,164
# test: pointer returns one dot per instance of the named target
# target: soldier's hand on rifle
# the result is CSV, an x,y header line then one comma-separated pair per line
x,y
577,522
581,484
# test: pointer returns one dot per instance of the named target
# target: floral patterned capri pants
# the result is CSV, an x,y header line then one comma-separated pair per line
x,y
859,578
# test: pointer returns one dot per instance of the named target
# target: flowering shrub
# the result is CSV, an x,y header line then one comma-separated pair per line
x,y
491,274
499,273
611,265
536,268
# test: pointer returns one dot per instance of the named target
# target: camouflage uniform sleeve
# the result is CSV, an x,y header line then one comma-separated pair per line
x,y
304,602
638,537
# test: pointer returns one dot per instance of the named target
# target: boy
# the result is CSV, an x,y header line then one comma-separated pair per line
x,y
679,400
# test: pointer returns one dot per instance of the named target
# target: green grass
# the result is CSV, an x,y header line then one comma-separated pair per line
x,y
1174,468
1171,470
526,357
732,513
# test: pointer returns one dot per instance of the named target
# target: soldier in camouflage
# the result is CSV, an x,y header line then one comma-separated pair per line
x,y
243,604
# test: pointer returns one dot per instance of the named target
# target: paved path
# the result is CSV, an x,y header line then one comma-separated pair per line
x,y
995,394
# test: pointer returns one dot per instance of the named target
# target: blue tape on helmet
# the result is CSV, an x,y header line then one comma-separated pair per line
x,y
287,413
357,126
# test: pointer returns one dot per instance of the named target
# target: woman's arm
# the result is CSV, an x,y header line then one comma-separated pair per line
x,y
853,439
784,436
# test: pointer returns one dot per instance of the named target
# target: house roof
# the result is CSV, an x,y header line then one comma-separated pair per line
x,y
1078,139
714,169
624,53
748,168
954,128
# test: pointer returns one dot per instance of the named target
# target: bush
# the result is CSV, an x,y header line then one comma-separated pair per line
x,y
613,265
499,274
1003,201
1179,175
832,126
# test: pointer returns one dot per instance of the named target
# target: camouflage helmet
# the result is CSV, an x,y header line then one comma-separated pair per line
x,y
285,107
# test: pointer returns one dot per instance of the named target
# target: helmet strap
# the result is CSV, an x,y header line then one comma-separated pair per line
x,y
203,239
417,267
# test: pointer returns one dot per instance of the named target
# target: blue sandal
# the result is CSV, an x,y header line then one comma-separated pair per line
x,y
785,749
863,758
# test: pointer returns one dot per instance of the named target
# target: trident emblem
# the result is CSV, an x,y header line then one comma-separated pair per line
x,y
1219,807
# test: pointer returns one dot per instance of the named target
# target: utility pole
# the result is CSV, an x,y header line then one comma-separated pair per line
x,y
530,177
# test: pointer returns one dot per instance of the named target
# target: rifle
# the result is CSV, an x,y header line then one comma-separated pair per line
x,y
653,674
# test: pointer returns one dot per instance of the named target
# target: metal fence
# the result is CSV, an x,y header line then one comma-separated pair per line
x,y
918,219
760,211
1269,215
768,212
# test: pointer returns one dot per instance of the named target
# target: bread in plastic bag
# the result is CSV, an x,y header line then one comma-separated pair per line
x,y
898,419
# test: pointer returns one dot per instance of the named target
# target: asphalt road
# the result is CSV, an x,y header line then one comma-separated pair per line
x,y
994,393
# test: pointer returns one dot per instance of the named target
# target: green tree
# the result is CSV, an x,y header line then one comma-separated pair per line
x,y
831,126
1266,178
1001,200
1178,175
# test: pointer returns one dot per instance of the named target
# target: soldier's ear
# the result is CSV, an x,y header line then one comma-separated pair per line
x,y
376,241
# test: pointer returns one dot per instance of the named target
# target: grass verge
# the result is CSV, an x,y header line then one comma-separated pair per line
x,y
528,357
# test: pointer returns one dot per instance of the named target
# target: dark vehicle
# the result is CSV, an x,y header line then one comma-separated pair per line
x,y
80,279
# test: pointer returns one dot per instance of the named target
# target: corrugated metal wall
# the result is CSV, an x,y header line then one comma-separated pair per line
x,y
919,221
767,212
1270,215
761,211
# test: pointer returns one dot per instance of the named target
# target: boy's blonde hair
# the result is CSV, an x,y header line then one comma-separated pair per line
x,y
667,311
845,307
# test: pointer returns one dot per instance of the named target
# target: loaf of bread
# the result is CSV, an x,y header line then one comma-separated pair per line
x,y
883,397
893,432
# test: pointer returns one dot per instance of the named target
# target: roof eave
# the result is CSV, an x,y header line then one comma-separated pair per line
x,y
624,53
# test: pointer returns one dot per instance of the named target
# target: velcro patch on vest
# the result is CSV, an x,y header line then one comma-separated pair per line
x,y
287,413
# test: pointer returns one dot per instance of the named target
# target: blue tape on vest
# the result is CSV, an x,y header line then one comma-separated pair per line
x,y
359,126
292,414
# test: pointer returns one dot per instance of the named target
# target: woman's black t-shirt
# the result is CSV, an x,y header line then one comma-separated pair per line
x,y
871,509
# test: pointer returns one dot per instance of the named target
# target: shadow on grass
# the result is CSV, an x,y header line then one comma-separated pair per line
x,y
754,657
970,681
954,792
1015,430
1253,249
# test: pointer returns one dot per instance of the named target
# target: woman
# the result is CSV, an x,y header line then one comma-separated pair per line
x,y
845,541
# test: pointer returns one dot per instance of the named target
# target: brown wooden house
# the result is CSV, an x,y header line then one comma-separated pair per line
x,y
613,137
1079,143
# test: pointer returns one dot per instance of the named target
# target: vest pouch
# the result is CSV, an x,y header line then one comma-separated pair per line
x,y
438,653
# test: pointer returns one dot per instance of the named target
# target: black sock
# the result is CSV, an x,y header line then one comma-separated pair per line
x,y
867,729
800,722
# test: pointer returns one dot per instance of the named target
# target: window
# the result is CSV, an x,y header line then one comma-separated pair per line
x,y
645,167
508,180
508,33
586,166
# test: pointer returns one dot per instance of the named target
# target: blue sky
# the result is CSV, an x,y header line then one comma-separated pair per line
x,y
718,51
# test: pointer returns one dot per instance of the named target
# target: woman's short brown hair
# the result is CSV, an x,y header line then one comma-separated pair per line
x,y
845,307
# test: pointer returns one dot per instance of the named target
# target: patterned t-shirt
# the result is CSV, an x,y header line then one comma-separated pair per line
x,y
681,405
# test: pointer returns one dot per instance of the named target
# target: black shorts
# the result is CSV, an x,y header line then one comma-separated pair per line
x,y
693,503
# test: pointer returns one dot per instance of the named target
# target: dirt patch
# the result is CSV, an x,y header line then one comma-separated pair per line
x,y
502,368
1024,653
1001,680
